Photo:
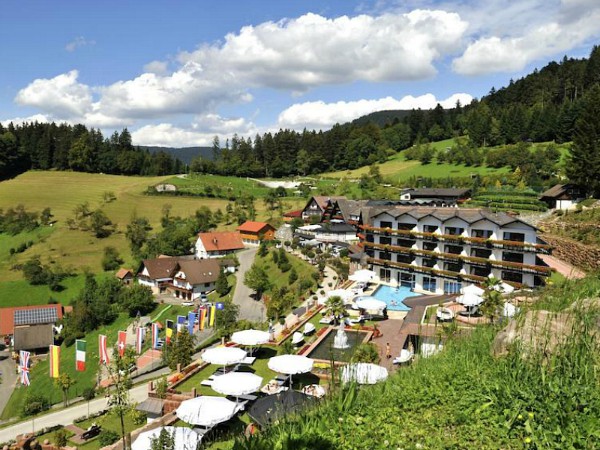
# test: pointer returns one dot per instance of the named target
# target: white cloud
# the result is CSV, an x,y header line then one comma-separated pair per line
x,y
157,67
572,24
62,96
324,115
34,118
78,42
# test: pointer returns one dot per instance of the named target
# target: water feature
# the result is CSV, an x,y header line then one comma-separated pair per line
x,y
341,340
325,350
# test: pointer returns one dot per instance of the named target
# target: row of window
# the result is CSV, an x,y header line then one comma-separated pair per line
x,y
456,231
407,259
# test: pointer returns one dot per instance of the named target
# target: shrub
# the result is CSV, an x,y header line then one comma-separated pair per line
x,y
35,403
107,437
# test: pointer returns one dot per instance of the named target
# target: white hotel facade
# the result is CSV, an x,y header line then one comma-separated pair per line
x,y
437,250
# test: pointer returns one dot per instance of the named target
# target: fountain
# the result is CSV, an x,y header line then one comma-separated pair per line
x,y
341,340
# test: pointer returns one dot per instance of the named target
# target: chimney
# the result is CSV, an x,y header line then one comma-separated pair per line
x,y
215,241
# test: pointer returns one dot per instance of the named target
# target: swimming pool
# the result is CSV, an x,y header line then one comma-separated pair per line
x,y
394,297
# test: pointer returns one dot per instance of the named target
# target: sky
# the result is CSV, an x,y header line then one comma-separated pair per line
x,y
179,72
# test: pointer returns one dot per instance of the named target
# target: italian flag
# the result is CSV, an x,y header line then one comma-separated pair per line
x,y
80,355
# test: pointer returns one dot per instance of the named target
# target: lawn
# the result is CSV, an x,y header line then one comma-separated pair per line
x,y
107,422
279,279
20,292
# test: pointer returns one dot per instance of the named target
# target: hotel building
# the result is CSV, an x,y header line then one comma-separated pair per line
x,y
436,250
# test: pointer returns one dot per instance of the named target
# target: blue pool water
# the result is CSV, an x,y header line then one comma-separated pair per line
x,y
394,297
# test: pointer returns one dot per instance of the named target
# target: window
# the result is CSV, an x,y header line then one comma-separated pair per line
x,y
453,249
512,257
452,267
480,271
481,253
385,255
406,279
512,276
384,274
384,240
486,234
428,262
384,224
406,242
429,284
517,237
452,287
405,226
454,231
429,246
430,228
406,259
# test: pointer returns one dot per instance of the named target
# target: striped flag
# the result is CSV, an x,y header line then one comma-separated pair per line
x,y
180,323
121,342
213,313
191,322
155,335
169,330
202,318
140,333
102,350
24,365
54,361
80,347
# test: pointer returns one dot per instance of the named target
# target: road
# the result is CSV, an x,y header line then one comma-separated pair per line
x,y
9,378
250,309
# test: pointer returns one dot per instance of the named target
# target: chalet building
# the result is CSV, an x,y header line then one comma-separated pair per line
x,y
562,196
254,233
437,249
344,210
314,209
218,244
125,276
435,197
291,215
30,327
184,278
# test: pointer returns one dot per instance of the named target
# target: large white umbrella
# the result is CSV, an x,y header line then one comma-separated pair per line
x,y
207,411
504,288
364,373
370,303
290,364
363,276
472,289
344,294
185,438
224,356
250,337
237,383
469,300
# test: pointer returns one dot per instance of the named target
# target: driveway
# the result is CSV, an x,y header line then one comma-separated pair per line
x,y
250,309
9,378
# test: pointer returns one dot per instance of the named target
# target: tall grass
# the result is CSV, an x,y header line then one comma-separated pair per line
x,y
464,398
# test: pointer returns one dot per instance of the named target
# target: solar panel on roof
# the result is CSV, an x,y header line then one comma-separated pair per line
x,y
35,316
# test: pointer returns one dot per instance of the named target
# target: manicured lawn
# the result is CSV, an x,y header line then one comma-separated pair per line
x,y
279,279
107,422
21,293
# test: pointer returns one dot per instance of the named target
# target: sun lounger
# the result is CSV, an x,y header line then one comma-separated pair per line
x,y
326,320
206,383
358,320
444,314
309,328
405,356
248,360
297,338
202,430
246,398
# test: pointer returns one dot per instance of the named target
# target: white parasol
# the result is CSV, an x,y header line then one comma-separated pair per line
x,y
207,411
224,356
364,373
250,337
472,289
237,383
363,276
469,300
370,303
290,364
504,287
185,438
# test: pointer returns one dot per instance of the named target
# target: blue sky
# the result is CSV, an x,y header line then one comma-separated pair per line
x,y
178,73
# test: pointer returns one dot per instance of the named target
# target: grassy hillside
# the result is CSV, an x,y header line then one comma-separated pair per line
x,y
464,398
397,168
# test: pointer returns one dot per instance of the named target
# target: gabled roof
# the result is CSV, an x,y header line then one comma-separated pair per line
x,y
297,213
33,337
253,227
199,271
559,190
161,267
221,241
350,208
122,273
7,315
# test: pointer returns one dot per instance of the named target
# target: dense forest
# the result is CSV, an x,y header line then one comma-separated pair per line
x,y
543,106
64,147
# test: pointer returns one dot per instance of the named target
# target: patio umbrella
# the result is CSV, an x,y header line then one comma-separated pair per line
x,y
290,364
185,438
344,294
237,383
364,373
370,303
207,411
271,408
250,337
224,356
472,289
504,288
469,300
363,276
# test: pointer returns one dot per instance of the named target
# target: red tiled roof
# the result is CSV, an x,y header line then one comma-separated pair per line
x,y
253,227
122,273
297,213
7,316
221,241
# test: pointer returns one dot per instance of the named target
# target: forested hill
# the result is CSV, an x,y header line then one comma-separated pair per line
x,y
542,106
184,154
382,118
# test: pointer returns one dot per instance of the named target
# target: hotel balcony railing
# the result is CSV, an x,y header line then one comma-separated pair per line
x,y
538,270
474,241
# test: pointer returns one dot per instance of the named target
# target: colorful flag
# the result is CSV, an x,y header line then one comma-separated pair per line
x,y
169,330
102,350
220,306
191,322
24,365
80,347
54,361
213,313
140,333
121,342
202,318
155,335
180,323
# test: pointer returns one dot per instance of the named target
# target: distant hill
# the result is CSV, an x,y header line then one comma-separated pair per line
x,y
184,154
381,118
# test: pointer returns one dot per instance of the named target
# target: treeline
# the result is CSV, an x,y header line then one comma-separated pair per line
x,y
47,146
542,106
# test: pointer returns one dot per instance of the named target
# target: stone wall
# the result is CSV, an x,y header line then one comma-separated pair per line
x,y
579,255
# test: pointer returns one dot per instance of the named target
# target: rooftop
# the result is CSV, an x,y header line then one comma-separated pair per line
x,y
253,227
221,241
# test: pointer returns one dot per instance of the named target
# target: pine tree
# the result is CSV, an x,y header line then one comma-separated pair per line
x,y
222,287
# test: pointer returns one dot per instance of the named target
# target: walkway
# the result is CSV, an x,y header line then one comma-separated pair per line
x,y
9,378
562,267
250,309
